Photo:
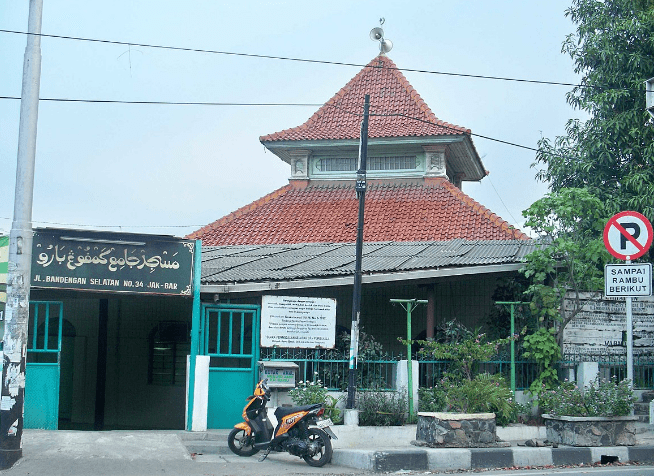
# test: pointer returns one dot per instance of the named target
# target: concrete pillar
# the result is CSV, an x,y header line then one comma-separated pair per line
x,y
402,378
200,393
351,417
586,373
299,164
435,160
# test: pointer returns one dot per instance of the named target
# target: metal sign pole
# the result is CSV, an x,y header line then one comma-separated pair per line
x,y
512,304
630,340
409,305
628,235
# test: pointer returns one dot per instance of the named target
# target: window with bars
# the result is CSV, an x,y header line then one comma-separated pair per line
x,y
349,164
169,346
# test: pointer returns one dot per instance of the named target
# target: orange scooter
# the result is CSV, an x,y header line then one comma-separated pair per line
x,y
300,430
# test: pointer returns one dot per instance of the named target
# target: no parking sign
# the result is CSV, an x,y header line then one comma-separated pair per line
x,y
628,235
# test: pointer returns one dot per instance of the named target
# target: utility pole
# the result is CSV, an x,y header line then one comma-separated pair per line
x,y
20,251
360,188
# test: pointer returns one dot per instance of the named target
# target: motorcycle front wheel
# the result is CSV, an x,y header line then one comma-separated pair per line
x,y
240,443
321,446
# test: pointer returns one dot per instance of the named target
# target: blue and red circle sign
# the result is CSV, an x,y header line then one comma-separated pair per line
x,y
628,235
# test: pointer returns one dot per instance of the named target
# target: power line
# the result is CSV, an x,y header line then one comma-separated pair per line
x,y
166,103
111,226
459,130
443,125
498,196
302,60
236,104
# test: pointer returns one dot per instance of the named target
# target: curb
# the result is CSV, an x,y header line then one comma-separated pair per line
x,y
441,459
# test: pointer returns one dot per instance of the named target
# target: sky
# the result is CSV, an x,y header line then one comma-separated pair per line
x,y
170,169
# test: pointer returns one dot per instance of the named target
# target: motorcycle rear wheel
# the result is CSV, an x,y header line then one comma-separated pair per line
x,y
240,443
324,453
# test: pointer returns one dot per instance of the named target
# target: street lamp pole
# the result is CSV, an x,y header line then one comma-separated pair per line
x,y
360,188
20,251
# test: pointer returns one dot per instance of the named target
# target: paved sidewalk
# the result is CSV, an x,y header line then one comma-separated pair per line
x,y
360,450
397,455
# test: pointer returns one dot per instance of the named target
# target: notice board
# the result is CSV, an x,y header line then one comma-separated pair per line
x,y
298,322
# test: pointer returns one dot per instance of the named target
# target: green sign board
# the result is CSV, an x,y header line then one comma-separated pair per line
x,y
112,262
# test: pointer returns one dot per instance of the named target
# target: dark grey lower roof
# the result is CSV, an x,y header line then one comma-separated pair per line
x,y
245,268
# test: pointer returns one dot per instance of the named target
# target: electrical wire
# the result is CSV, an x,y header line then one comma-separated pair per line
x,y
197,50
498,196
185,103
168,103
110,226
303,60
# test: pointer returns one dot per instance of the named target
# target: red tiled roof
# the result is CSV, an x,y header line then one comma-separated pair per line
x,y
327,213
393,101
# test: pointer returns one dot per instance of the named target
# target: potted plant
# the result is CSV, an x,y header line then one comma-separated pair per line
x,y
462,409
597,415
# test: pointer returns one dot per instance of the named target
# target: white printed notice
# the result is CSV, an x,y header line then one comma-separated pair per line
x,y
298,322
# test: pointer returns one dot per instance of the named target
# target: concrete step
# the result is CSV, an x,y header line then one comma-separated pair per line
x,y
207,447
210,435
212,442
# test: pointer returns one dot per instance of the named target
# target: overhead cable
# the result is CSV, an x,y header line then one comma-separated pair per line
x,y
302,60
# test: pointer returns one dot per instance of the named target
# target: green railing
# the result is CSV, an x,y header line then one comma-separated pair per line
x,y
616,366
332,368
431,372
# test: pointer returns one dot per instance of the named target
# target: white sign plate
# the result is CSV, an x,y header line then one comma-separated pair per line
x,y
628,279
598,331
298,322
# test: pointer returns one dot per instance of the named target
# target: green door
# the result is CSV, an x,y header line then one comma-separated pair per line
x,y
230,337
43,365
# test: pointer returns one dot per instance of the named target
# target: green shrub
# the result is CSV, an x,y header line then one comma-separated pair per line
x,y
382,408
307,393
464,389
541,346
603,398
432,399
485,393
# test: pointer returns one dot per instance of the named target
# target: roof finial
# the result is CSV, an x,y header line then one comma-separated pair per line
x,y
377,34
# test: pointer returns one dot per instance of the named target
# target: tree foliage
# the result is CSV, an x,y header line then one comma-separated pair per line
x,y
572,256
612,153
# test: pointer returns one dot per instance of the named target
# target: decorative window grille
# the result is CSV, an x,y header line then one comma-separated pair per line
x,y
169,346
338,164
349,164
403,162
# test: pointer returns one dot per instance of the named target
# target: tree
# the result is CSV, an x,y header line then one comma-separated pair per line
x,y
572,256
612,153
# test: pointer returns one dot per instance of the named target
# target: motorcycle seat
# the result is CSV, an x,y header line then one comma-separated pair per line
x,y
281,412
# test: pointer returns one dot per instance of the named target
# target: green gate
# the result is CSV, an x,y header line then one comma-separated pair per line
x,y
43,365
230,337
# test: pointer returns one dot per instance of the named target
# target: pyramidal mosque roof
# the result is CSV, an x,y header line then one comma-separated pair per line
x,y
401,209
396,110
